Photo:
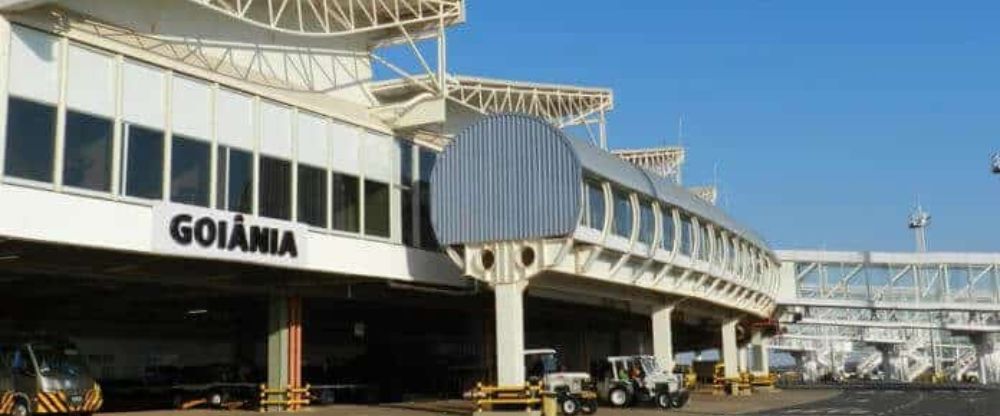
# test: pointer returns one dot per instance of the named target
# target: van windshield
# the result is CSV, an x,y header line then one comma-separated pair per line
x,y
52,360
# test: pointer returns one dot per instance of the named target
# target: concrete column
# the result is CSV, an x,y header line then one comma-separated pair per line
x,y
729,351
761,353
277,342
663,337
988,355
284,345
510,333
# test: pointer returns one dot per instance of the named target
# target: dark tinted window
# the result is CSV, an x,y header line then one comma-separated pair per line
x,y
377,209
189,171
312,196
275,194
30,140
87,155
346,195
234,190
406,176
427,159
142,172
687,235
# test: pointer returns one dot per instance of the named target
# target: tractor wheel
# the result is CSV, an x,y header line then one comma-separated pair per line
x,y
588,406
618,397
678,401
570,406
663,400
20,408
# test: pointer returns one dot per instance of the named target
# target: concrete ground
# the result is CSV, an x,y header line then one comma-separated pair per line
x,y
783,403
701,404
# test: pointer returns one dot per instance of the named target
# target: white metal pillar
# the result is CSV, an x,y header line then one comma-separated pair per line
x,y
890,362
729,348
510,333
761,348
663,337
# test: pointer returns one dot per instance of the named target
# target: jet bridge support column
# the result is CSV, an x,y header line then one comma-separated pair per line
x,y
760,346
509,304
730,351
663,338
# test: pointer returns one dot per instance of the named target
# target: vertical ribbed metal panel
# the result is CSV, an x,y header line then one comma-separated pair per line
x,y
506,177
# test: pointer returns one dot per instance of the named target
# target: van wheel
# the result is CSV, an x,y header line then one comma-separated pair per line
x,y
618,397
678,401
20,408
570,406
589,406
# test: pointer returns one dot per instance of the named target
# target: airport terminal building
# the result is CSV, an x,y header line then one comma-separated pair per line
x,y
189,183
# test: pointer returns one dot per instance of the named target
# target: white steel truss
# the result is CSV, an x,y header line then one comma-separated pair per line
x,y
341,17
664,161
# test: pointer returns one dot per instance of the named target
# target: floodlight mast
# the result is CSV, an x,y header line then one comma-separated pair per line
x,y
919,221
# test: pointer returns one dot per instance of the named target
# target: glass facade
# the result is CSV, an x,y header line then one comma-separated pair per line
x,y
31,135
190,165
312,196
377,220
142,160
687,234
234,187
87,152
426,160
346,202
275,191
406,207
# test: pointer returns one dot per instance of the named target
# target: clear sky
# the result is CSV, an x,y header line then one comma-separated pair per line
x,y
826,119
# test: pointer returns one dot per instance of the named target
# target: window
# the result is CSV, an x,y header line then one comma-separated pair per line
x,y
312,196
189,171
346,195
142,170
234,184
377,209
623,214
30,140
667,228
427,159
594,215
275,193
87,152
687,235
704,242
647,224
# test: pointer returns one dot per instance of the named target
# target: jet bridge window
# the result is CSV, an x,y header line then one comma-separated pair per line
x,y
687,234
667,227
647,223
623,214
593,205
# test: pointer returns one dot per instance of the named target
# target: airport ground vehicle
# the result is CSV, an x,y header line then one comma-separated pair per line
x,y
629,380
575,391
45,376
217,385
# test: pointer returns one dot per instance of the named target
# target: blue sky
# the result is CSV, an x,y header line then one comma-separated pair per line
x,y
826,119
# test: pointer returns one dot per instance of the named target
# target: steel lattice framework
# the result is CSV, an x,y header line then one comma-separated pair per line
x,y
930,307
664,161
341,17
